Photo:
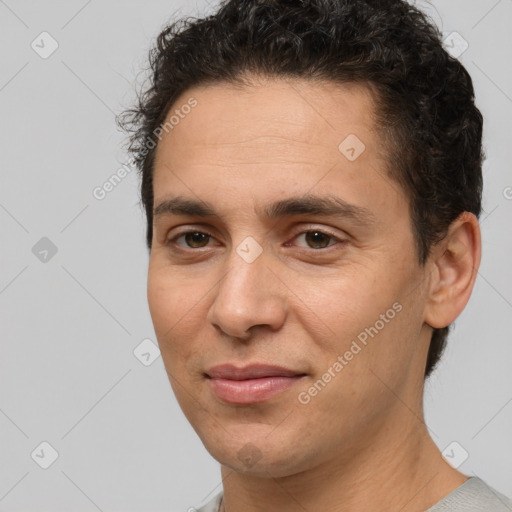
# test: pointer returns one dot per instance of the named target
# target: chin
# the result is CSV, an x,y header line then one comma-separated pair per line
x,y
258,458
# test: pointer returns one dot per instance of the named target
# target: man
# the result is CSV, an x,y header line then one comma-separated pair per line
x,y
311,173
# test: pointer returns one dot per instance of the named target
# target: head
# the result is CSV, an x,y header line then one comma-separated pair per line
x,y
258,121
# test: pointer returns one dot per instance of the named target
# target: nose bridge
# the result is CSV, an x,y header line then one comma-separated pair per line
x,y
248,294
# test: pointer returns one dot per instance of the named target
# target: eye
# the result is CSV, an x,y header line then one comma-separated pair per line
x,y
314,238
317,239
193,239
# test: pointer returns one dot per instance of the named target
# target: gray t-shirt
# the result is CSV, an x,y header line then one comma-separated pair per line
x,y
474,495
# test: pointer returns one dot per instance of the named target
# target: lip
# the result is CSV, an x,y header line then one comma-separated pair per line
x,y
250,384
252,371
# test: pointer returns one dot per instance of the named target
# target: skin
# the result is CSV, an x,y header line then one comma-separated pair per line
x,y
361,443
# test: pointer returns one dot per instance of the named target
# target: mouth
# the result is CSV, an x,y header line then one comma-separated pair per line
x,y
251,384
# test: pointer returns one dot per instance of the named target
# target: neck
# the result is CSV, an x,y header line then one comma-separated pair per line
x,y
397,470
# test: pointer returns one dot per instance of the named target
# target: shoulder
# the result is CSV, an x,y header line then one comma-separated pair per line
x,y
474,495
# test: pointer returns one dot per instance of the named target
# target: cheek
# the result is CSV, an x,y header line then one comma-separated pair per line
x,y
174,311
345,304
168,306
177,312
369,321
162,300
167,294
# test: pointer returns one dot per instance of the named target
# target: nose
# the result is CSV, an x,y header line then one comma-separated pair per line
x,y
248,295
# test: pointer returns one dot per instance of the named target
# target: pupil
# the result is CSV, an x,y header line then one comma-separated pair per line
x,y
196,237
313,236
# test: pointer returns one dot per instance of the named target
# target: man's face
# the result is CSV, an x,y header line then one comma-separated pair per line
x,y
338,299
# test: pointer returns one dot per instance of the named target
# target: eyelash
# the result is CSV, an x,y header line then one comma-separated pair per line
x,y
172,241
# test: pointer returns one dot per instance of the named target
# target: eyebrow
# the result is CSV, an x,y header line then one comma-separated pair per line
x,y
301,205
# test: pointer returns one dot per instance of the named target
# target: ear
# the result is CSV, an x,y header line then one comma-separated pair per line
x,y
454,266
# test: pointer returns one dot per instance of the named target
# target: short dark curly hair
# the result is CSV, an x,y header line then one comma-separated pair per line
x,y
424,97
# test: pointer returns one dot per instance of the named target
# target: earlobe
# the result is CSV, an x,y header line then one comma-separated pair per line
x,y
456,260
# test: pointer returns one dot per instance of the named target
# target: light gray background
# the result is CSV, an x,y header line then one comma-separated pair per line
x,y
68,374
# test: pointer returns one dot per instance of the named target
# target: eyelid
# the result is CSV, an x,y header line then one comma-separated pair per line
x,y
308,228
185,232
299,231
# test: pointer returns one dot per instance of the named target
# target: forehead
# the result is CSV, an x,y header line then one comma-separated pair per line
x,y
274,139
271,118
